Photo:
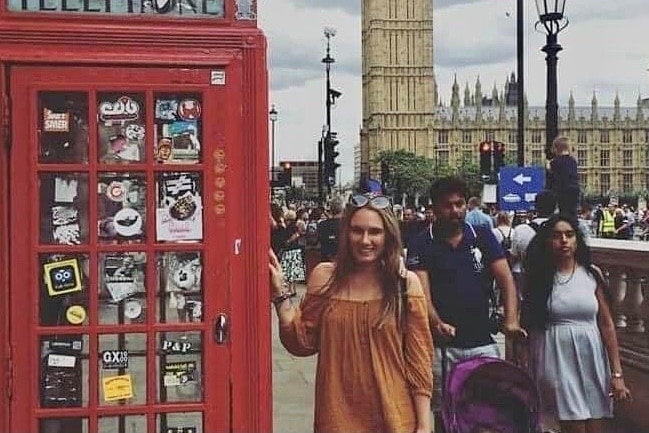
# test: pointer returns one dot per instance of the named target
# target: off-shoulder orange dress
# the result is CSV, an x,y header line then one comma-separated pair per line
x,y
367,375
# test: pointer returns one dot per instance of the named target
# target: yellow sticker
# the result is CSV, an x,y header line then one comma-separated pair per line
x,y
76,314
117,387
62,277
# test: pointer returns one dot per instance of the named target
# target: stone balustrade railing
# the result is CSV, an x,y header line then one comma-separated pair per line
x,y
626,264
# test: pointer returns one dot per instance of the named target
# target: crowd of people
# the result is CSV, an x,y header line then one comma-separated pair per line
x,y
396,297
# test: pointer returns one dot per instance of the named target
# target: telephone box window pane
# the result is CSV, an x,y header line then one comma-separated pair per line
x,y
180,369
180,287
182,422
64,294
178,128
122,208
122,423
122,288
121,120
64,372
122,369
60,425
179,213
64,208
63,127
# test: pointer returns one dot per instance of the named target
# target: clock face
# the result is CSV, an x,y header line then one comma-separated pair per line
x,y
132,308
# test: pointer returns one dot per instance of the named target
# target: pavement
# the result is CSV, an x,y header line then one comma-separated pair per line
x,y
293,388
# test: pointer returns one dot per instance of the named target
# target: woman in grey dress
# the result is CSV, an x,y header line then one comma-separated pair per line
x,y
573,350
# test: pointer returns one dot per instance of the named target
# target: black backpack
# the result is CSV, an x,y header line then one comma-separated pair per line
x,y
507,241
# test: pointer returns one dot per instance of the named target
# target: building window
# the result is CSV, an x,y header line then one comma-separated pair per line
x,y
603,136
582,138
604,183
583,180
627,182
467,157
467,137
490,135
582,157
442,157
646,136
513,137
627,136
537,157
536,136
646,180
604,158
442,137
627,158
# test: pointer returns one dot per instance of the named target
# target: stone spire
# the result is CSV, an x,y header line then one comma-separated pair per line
x,y
478,91
616,113
571,108
435,91
455,100
594,115
478,100
501,112
455,95
494,95
639,116
467,95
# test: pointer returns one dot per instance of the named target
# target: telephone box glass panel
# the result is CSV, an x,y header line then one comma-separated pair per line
x,y
63,127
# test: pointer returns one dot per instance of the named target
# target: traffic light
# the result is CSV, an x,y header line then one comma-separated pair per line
x,y
485,158
330,154
285,176
499,155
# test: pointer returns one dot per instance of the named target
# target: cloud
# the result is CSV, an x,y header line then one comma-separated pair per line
x,y
459,57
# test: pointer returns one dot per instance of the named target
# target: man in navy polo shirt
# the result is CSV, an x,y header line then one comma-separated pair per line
x,y
455,263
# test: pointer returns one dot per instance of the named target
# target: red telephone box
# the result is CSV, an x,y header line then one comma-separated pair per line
x,y
133,222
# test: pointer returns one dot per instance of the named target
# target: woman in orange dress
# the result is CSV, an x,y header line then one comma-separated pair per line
x,y
365,317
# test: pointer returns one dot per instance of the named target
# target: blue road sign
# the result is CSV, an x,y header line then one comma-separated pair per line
x,y
518,186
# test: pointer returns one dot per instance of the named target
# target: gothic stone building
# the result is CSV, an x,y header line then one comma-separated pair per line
x,y
611,144
401,110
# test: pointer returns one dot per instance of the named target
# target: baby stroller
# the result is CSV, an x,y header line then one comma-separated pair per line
x,y
489,395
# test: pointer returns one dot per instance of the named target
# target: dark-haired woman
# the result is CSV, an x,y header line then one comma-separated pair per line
x,y
373,343
573,346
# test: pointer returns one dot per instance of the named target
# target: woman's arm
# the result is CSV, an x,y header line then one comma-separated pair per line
x,y
299,327
422,409
609,339
418,353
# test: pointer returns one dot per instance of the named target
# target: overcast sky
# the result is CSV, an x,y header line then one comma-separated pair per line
x,y
605,51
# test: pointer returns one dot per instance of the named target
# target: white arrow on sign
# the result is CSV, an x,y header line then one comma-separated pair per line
x,y
521,179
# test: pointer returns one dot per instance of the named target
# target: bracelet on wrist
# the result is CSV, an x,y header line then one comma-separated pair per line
x,y
616,375
277,300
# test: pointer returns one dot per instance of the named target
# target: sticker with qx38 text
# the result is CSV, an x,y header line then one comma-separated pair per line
x,y
62,277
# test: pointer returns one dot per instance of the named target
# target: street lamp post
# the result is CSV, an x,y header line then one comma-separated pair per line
x,y
551,17
273,118
328,60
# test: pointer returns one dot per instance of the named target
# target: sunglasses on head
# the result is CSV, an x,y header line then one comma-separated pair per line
x,y
374,201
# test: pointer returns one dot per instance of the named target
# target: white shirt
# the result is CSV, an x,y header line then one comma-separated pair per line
x,y
521,238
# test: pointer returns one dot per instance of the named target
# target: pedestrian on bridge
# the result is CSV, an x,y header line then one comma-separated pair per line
x,y
573,349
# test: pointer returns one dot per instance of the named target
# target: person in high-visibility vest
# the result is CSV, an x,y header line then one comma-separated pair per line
x,y
607,223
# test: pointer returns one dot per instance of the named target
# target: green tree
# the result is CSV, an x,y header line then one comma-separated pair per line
x,y
411,174
405,172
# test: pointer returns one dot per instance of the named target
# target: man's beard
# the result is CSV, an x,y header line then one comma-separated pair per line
x,y
448,226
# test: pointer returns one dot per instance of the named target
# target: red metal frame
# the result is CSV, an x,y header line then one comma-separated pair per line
x,y
120,47
5,352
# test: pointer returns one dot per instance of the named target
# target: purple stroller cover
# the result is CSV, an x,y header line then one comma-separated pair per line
x,y
492,393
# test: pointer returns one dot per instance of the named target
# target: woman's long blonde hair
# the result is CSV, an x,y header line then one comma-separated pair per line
x,y
389,268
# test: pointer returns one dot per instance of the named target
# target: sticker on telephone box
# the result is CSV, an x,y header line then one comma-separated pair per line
x,y
62,277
